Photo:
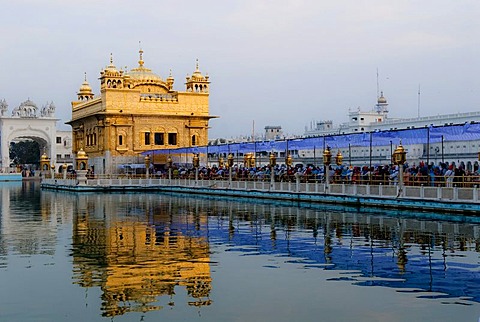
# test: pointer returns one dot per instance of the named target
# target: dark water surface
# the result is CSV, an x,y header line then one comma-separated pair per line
x,y
158,257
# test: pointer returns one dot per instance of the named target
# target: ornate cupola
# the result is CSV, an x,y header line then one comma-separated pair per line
x,y
197,82
85,93
170,81
144,79
382,106
110,77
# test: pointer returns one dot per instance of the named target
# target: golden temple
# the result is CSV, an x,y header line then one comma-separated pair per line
x,y
138,111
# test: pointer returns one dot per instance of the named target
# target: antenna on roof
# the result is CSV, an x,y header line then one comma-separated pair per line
x,y
378,90
418,103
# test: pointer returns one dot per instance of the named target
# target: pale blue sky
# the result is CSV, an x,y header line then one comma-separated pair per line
x,y
276,62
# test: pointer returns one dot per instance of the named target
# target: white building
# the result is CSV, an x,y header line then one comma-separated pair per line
x,y
64,154
28,122
377,119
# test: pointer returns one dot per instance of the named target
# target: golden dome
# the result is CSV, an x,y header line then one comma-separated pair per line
x,y
85,89
170,77
381,99
111,68
44,157
81,154
141,74
197,75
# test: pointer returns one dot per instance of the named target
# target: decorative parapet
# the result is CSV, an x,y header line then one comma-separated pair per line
x,y
159,97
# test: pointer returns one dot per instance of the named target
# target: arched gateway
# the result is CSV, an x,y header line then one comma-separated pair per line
x,y
27,122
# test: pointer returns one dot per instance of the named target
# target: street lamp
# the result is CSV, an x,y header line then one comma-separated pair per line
x,y
81,166
399,157
169,165
288,160
147,165
44,163
196,164
327,159
230,168
273,162
249,160
339,158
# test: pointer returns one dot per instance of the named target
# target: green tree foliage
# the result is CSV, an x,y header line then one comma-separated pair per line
x,y
25,152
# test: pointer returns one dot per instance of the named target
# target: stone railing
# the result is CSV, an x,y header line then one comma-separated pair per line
x,y
428,193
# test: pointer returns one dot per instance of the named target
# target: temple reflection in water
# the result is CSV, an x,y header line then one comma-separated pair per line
x,y
142,250
146,252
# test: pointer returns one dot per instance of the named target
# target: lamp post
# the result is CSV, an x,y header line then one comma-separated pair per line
x,y
220,162
327,159
230,168
196,164
443,159
249,160
273,162
53,170
81,163
391,152
44,164
350,154
64,171
339,158
147,165
288,160
169,165
400,157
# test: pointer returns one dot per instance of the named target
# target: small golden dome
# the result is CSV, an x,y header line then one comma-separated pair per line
x,y
142,74
381,99
170,77
44,157
85,88
81,154
197,75
111,68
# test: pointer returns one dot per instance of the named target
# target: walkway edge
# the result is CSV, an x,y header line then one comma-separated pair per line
x,y
352,200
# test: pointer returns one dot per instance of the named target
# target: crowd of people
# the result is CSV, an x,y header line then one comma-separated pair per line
x,y
441,174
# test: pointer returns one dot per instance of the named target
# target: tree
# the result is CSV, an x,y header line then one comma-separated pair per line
x,y
25,152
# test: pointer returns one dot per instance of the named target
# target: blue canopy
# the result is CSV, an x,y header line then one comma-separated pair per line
x,y
432,134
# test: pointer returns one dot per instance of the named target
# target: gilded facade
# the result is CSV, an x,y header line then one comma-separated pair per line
x,y
142,255
138,111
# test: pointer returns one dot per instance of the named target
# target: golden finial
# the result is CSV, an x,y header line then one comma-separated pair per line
x,y
111,58
196,65
140,62
85,76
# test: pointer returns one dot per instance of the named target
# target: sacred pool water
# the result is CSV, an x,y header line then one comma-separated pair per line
x,y
158,257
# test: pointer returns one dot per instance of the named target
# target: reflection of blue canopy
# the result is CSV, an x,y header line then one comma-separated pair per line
x,y
432,134
133,166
